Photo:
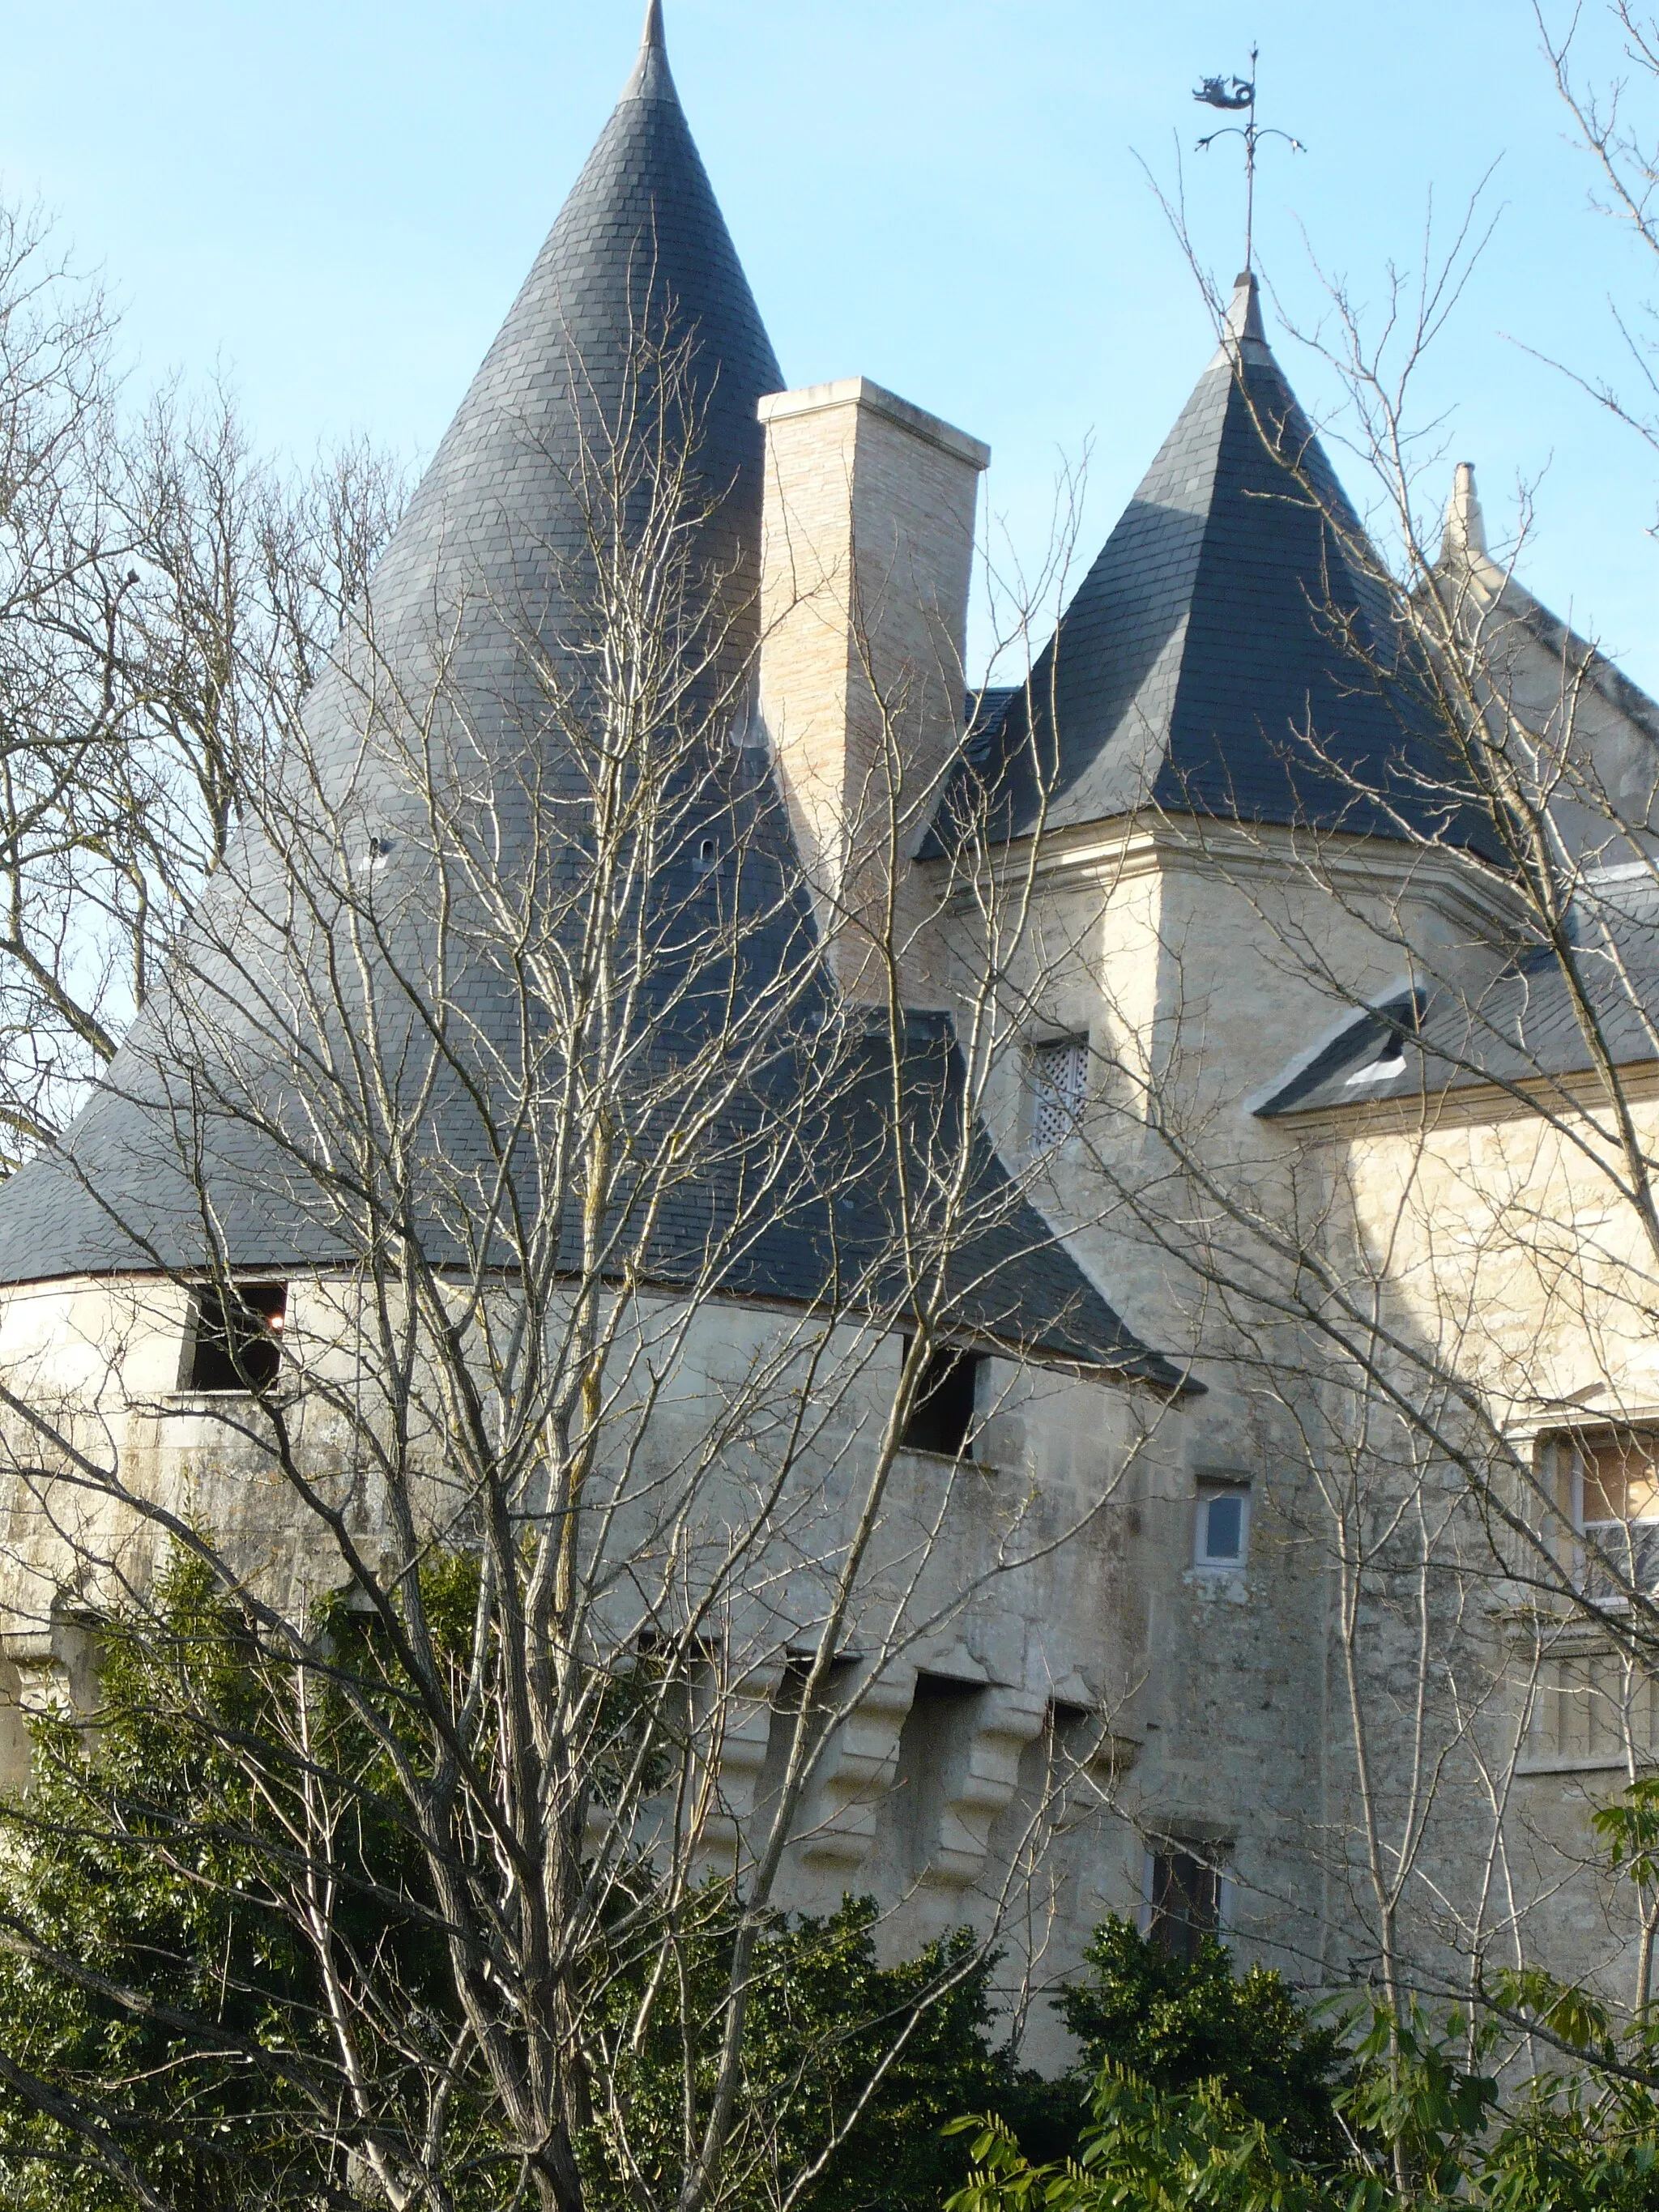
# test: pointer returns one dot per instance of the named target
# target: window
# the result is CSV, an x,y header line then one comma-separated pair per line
x,y
942,1417
1222,1539
1059,1078
1384,1065
1385,1055
1614,1477
235,1336
1185,1901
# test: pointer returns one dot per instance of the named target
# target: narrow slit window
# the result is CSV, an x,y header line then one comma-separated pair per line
x,y
942,1416
1060,1077
236,1336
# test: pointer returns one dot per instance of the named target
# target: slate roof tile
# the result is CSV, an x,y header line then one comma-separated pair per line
x,y
492,525
1205,643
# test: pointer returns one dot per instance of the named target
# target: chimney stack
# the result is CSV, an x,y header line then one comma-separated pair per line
x,y
867,546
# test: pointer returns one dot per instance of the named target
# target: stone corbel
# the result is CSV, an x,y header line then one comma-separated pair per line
x,y
856,1769
987,1775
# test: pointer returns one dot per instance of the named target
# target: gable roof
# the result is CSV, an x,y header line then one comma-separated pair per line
x,y
1208,638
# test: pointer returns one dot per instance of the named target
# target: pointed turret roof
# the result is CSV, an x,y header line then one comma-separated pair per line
x,y
482,568
198,1141
1229,614
640,246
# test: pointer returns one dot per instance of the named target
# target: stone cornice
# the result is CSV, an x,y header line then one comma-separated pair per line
x,y
1102,855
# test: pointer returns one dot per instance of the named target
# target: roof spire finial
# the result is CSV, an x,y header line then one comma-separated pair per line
x,y
1244,310
651,79
1466,526
1239,94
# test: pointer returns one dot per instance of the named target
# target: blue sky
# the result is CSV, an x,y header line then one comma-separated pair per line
x,y
334,204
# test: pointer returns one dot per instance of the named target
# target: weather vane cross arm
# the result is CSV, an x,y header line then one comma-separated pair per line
x,y
1236,94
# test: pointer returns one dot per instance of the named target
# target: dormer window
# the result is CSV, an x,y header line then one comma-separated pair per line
x,y
1059,1081
1386,1057
1389,1061
235,1336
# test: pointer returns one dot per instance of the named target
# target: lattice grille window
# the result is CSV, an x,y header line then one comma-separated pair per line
x,y
1059,1078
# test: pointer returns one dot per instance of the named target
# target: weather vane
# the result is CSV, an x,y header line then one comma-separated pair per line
x,y
1238,94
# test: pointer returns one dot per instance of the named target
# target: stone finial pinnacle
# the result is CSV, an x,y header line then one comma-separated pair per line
x,y
1465,527
651,79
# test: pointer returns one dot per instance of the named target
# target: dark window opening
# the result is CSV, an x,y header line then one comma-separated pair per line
x,y
707,854
942,1417
235,1341
1185,1903
1223,1526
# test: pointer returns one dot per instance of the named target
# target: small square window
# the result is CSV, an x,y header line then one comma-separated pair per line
x,y
1185,1901
942,1415
1222,1537
1059,1081
235,1336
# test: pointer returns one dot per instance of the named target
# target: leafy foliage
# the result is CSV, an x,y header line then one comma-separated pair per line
x,y
1175,2023
848,2069
1227,2093
165,1970
159,1975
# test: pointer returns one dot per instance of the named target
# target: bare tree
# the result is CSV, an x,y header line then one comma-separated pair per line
x,y
1423,1257
168,596
577,1537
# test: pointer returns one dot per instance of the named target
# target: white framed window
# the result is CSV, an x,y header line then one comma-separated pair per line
x,y
1614,1480
1221,1536
1060,1083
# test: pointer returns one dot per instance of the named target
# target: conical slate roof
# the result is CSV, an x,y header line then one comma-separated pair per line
x,y
212,1133
485,558
640,251
1225,618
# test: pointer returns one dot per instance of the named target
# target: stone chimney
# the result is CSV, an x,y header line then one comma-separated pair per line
x,y
866,549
